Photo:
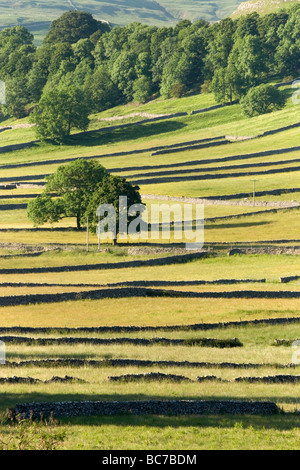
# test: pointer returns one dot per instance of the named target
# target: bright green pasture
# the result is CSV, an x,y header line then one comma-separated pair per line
x,y
201,432
182,433
282,225
146,311
225,121
209,268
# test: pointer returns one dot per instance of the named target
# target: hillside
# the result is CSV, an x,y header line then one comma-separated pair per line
x,y
36,16
147,321
179,331
263,6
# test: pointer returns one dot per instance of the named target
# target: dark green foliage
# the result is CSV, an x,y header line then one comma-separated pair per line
x,y
12,39
59,111
109,67
73,26
288,51
213,342
220,45
45,209
102,91
262,99
248,25
17,97
142,89
72,187
108,192
123,73
177,91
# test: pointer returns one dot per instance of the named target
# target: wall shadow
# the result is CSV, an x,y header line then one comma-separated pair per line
x,y
104,137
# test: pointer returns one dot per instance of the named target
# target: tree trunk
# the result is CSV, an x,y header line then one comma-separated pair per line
x,y
78,222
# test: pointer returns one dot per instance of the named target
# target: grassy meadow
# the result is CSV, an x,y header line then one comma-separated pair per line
x,y
44,261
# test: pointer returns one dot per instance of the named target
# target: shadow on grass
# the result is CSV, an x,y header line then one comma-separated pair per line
x,y
288,92
104,137
235,225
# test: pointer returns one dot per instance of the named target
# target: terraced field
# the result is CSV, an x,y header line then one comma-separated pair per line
x,y
146,320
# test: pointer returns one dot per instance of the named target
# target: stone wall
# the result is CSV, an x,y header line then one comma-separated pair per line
x,y
128,292
151,407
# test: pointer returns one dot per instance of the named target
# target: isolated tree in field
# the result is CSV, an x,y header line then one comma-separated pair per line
x,y
67,193
262,100
108,192
59,111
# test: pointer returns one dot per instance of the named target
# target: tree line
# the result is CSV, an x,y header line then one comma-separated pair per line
x,y
84,66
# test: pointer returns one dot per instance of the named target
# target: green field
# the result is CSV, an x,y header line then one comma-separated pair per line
x,y
265,230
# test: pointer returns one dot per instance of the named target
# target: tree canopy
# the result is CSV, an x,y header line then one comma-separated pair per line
x,y
69,189
59,111
73,26
262,99
108,192
113,66
77,190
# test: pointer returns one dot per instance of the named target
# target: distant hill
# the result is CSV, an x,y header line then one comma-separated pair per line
x,y
263,6
36,16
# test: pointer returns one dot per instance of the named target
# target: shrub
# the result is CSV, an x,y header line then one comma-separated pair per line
x,y
28,434
178,90
288,79
262,99
205,87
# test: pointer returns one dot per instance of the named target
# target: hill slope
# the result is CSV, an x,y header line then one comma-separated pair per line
x,y
263,6
37,15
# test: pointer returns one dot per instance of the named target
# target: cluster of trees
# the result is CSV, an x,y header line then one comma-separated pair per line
x,y
77,190
88,66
